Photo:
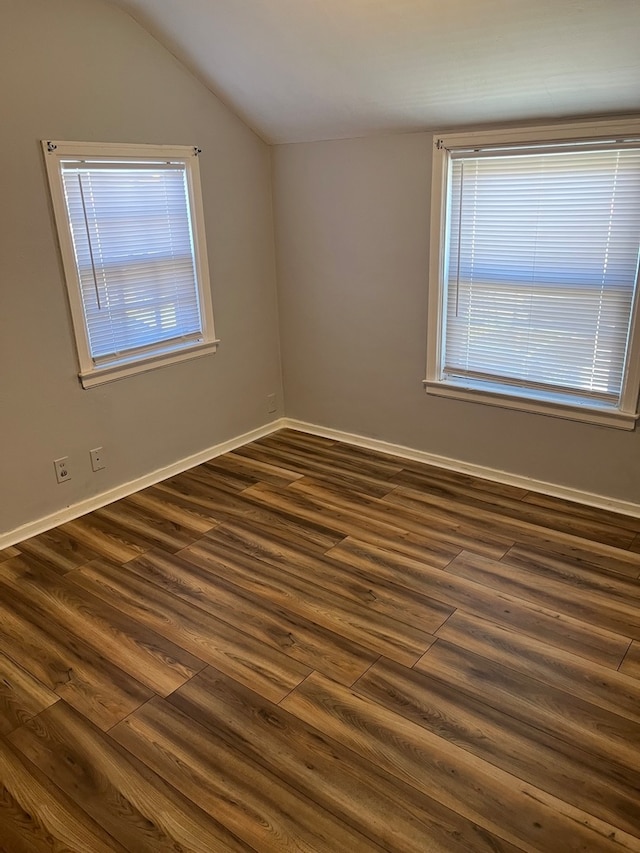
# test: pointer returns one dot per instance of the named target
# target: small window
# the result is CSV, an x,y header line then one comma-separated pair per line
x,y
130,226
533,291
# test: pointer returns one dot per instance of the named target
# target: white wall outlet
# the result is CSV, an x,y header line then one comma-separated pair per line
x,y
63,472
98,461
272,403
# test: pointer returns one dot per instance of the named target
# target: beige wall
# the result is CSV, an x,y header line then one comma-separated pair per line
x,y
83,70
352,223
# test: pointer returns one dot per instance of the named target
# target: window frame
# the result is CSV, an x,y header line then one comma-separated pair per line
x,y
90,372
623,416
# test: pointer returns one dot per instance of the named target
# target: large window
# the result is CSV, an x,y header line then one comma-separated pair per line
x,y
534,276
129,221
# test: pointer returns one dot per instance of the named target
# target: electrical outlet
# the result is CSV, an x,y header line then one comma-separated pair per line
x,y
98,461
272,403
63,472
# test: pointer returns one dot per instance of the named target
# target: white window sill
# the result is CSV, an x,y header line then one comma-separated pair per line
x,y
119,370
589,412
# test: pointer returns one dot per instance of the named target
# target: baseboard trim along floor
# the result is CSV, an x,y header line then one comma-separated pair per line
x,y
498,476
75,510
96,501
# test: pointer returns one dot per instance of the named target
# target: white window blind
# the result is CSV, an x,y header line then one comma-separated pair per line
x,y
541,268
134,252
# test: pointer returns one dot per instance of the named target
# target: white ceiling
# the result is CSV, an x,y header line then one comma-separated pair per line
x,y
300,70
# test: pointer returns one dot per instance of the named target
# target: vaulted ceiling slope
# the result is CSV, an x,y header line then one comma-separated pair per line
x,y
301,70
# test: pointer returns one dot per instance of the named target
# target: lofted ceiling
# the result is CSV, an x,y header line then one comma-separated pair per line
x,y
301,70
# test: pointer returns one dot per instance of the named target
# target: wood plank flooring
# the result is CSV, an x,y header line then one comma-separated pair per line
x,y
308,646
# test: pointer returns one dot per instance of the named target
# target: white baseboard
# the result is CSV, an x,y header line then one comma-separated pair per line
x,y
551,489
33,528
19,534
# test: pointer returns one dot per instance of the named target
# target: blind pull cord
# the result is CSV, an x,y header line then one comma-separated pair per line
x,y
459,239
86,225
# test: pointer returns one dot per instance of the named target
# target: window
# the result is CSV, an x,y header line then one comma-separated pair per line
x,y
533,283
130,226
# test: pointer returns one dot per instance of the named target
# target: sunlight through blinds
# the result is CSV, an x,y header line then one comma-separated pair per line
x,y
542,265
134,252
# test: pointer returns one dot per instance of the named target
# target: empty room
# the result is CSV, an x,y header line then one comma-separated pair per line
x,y
319,402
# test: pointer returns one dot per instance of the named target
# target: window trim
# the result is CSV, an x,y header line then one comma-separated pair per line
x,y
91,373
622,417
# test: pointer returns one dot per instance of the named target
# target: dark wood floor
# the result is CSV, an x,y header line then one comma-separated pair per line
x,y
305,646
